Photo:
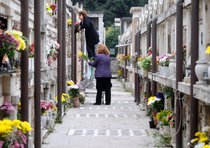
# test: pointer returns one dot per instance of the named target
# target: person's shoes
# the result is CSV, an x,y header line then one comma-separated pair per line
x,y
96,104
107,103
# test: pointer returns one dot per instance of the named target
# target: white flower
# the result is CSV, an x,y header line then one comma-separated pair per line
x,y
74,87
199,145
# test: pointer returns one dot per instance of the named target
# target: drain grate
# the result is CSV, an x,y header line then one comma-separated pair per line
x,y
108,132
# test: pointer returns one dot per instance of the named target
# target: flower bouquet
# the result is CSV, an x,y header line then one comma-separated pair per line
x,y
51,9
69,22
207,49
6,109
146,63
154,105
165,60
82,56
163,117
52,52
10,42
74,93
201,139
13,133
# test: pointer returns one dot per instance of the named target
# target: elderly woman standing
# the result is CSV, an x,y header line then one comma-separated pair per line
x,y
102,74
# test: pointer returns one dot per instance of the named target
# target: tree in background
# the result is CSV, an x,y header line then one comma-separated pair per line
x,y
112,34
111,8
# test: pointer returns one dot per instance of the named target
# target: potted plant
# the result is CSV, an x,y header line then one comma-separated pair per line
x,y
201,139
171,119
146,63
164,62
154,106
164,122
74,93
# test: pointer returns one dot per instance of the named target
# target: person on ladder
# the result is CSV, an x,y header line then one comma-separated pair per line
x,y
92,39
91,35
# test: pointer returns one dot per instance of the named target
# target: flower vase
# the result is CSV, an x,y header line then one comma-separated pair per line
x,y
200,68
152,124
165,131
43,121
173,134
165,71
76,102
209,70
172,67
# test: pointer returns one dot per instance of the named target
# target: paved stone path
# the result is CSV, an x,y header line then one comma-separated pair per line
x,y
119,125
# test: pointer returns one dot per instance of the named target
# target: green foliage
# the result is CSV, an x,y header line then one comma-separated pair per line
x,y
163,117
168,92
111,8
112,36
146,63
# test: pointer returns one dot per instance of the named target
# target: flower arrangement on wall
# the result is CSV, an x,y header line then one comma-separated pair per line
x,y
6,109
51,9
52,52
69,22
163,117
208,49
45,107
201,139
164,60
13,133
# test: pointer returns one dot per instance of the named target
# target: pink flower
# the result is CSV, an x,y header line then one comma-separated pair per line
x,y
1,143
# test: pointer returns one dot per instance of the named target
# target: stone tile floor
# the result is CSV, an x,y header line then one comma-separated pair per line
x,y
119,125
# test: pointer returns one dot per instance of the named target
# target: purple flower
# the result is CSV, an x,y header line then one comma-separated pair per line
x,y
1,144
7,108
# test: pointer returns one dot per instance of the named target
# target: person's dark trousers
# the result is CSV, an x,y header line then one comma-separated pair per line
x,y
91,51
103,84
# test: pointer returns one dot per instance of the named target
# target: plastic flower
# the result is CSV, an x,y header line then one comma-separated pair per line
x,y
208,49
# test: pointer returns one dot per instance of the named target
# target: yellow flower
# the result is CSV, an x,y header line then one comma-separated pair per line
x,y
203,139
119,72
18,36
151,100
26,127
207,50
69,22
197,134
17,124
69,83
206,146
140,58
65,97
80,54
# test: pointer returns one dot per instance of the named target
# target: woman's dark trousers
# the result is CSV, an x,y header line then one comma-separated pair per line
x,y
103,84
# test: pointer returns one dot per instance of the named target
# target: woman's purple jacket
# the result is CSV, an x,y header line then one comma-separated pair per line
x,y
102,65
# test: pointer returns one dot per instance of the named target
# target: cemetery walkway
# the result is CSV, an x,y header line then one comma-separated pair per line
x,y
119,125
